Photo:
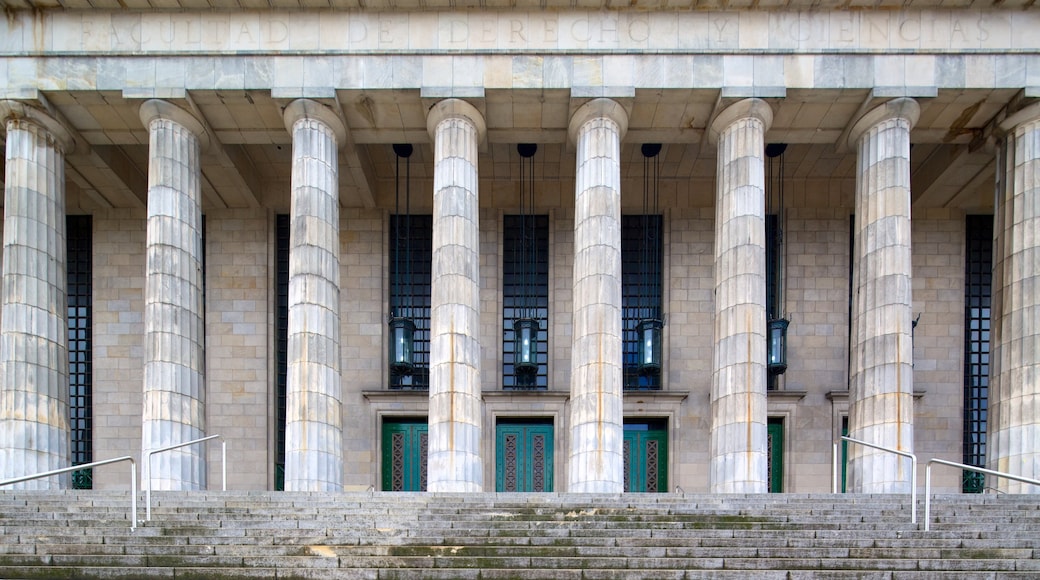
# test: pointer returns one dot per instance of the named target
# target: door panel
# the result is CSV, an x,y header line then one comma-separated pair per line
x,y
776,455
524,457
646,457
405,449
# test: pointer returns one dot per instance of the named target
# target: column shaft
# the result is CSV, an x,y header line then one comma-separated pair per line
x,y
174,386
738,439
34,393
314,407
881,375
456,405
596,459
1014,419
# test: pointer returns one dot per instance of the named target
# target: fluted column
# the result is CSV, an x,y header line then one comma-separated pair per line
x,y
1014,387
34,392
596,457
881,374
738,438
456,405
174,384
314,400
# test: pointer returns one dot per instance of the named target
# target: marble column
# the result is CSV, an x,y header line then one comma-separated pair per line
x,y
456,405
174,384
34,392
596,455
1014,387
314,399
881,374
739,436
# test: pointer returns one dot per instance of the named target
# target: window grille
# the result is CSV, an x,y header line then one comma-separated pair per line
x,y
281,340
411,257
640,291
978,278
535,286
79,245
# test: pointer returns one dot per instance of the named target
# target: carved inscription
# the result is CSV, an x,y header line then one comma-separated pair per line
x,y
261,32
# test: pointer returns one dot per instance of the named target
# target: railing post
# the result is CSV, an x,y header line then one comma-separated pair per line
x,y
834,469
147,459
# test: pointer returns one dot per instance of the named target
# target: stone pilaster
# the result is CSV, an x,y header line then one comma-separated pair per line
x,y
174,384
456,406
596,460
738,439
314,399
881,374
1014,387
34,392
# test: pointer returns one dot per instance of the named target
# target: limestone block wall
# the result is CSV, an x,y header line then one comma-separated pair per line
x,y
239,341
938,340
689,278
561,294
363,273
817,303
119,267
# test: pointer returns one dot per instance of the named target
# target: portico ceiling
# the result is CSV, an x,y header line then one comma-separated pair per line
x,y
378,5
249,163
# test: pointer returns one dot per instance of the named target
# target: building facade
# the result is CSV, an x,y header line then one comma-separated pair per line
x,y
525,247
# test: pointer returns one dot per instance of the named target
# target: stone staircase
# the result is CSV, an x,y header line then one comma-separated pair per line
x,y
202,535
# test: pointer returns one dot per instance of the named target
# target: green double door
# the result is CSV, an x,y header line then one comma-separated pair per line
x,y
646,457
524,456
406,444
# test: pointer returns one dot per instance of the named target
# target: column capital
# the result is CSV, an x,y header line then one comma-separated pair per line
x,y
601,107
756,108
449,108
1022,116
903,107
308,109
153,109
23,111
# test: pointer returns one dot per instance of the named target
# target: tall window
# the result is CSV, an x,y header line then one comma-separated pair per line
x,y
640,291
281,323
79,245
411,256
978,279
525,294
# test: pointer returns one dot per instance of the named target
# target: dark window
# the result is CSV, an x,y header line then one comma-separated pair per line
x,y
978,278
525,293
281,323
79,245
640,290
411,257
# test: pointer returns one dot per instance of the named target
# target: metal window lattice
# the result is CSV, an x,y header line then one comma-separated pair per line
x,y
978,281
652,461
79,247
397,467
640,290
538,476
281,339
411,257
525,293
510,463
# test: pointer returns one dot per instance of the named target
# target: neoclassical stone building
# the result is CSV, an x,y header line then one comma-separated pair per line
x,y
534,246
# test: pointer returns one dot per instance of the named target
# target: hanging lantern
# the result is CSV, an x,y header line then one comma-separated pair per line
x,y
777,355
650,337
525,346
402,353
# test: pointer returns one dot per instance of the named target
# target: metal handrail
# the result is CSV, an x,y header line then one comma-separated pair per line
x,y
133,480
928,482
147,463
913,471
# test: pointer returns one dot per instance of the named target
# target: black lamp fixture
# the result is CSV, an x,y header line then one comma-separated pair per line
x,y
650,327
402,327
776,341
526,326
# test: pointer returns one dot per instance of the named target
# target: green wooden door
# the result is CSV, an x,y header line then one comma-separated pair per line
x,y
523,456
405,446
776,455
646,457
